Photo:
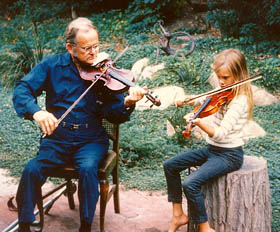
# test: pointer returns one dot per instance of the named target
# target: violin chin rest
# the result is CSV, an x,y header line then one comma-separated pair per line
x,y
100,57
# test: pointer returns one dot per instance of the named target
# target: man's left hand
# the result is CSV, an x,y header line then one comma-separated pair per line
x,y
135,94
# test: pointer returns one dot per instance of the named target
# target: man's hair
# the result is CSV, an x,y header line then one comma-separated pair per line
x,y
73,27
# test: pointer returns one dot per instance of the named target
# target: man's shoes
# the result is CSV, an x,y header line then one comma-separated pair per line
x,y
24,227
85,227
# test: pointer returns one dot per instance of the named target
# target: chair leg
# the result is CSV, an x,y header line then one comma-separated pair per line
x,y
41,210
104,190
115,175
70,190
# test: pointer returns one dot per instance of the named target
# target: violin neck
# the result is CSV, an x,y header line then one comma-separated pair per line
x,y
118,77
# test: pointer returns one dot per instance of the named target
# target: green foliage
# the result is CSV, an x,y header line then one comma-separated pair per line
x,y
269,65
26,41
251,33
36,11
135,53
253,19
225,21
144,143
150,8
186,71
19,139
149,130
18,59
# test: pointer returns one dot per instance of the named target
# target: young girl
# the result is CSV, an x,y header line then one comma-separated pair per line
x,y
224,152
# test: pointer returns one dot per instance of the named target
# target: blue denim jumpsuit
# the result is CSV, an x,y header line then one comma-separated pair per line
x,y
83,147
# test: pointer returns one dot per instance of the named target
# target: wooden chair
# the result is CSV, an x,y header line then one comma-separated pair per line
x,y
108,166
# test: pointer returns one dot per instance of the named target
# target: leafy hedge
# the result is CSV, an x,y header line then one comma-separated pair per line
x,y
144,144
254,20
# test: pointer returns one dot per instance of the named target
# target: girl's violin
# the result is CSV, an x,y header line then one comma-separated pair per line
x,y
117,80
210,106
214,101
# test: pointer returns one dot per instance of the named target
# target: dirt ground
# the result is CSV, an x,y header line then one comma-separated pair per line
x,y
141,211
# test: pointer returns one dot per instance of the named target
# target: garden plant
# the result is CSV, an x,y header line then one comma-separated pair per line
x,y
144,143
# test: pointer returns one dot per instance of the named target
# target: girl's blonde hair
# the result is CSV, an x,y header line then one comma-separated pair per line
x,y
234,61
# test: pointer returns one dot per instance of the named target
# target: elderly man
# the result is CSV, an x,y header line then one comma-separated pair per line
x,y
80,139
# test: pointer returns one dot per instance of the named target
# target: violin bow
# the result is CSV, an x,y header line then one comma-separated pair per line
x,y
213,92
84,93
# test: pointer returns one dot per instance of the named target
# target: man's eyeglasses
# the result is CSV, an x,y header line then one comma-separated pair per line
x,y
90,48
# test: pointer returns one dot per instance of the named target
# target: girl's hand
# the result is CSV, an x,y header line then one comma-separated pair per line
x,y
179,102
190,117
200,123
183,100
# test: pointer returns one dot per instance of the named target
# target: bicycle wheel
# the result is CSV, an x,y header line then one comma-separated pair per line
x,y
179,43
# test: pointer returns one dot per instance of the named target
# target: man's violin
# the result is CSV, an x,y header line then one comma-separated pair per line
x,y
117,80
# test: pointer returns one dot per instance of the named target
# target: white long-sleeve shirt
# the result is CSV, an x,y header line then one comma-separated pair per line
x,y
229,123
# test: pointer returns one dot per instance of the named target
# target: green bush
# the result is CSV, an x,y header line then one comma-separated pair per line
x,y
144,143
27,40
258,18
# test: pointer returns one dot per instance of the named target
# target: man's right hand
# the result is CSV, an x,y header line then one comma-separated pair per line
x,y
46,120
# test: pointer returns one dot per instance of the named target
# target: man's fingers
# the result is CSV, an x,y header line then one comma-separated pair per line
x,y
46,120
49,125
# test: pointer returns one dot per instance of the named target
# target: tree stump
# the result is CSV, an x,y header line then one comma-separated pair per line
x,y
240,200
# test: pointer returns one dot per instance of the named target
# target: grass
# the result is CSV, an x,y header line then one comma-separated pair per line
x,y
144,146
144,143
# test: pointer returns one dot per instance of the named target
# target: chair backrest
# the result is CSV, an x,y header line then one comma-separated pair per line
x,y
113,133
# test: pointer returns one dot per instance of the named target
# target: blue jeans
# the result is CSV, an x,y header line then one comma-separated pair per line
x,y
213,161
64,146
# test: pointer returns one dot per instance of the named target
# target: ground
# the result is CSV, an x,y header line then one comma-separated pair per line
x,y
141,211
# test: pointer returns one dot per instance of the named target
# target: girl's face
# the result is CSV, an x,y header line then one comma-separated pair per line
x,y
224,77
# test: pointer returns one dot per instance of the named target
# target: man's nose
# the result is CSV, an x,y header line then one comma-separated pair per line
x,y
91,51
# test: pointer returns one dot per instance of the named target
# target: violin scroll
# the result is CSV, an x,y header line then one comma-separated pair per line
x,y
152,99
187,130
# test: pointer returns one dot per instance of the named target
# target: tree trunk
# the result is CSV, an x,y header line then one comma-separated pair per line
x,y
239,201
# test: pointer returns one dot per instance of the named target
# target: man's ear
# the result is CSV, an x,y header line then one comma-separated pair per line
x,y
69,48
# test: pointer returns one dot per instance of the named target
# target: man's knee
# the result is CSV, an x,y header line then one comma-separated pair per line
x,y
88,168
168,166
32,168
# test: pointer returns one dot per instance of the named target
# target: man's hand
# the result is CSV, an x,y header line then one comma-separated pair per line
x,y
135,94
46,120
